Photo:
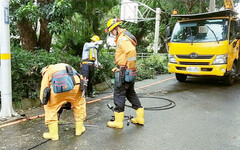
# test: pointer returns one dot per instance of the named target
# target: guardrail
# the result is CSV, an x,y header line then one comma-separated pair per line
x,y
144,55
140,55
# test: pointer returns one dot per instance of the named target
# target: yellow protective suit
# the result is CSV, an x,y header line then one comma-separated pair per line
x,y
58,99
125,54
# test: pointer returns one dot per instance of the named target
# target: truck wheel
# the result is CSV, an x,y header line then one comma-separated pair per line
x,y
181,77
230,78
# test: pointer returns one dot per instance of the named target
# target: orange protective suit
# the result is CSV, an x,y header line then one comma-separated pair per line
x,y
56,100
125,54
125,57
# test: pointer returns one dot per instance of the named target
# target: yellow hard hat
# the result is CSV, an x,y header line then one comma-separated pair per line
x,y
112,23
95,38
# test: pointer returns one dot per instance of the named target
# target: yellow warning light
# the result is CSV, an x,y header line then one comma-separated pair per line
x,y
175,12
228,6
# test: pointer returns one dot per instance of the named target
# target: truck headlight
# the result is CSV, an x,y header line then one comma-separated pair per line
x,y
171,58
220,59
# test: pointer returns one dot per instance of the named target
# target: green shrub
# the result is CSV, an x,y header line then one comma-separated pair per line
x,y
26,67
149,67
107,61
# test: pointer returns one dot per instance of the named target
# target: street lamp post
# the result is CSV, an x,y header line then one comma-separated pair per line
x,y
156,36
212,5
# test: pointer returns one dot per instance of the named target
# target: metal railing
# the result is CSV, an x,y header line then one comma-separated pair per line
x,y
140,55
144,55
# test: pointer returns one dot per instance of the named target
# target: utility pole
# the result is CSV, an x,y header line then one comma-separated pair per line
x,y
212,5
200,10
156,36
6,83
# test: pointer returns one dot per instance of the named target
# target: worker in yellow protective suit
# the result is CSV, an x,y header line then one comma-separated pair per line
x,y
58,86
125,72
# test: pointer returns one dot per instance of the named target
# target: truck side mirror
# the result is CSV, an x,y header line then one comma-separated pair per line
x,y
168,32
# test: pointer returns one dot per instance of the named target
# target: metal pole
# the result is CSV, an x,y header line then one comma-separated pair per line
x,y
6,84
156,36
212,5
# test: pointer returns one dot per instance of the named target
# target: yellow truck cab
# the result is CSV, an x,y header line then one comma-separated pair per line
x,y
205,44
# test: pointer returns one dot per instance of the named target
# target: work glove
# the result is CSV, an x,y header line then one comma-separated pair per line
x,y
115,69
100,66
100,42
80,65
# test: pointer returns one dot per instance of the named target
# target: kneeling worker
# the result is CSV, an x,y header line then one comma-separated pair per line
x,y
60,84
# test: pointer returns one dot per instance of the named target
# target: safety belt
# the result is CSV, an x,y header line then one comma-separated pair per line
x,y
70,72
127,33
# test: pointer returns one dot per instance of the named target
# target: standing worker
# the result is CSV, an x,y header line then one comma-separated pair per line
x,y
125,72
60,84
89,61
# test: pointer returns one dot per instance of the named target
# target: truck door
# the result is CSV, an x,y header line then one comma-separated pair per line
x,y
233,44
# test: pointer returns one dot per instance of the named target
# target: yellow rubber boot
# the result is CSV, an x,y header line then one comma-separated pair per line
x,y
79,128
118,122
53,132
140,116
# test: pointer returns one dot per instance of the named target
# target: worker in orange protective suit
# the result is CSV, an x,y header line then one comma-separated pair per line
x,y
125,72
54,93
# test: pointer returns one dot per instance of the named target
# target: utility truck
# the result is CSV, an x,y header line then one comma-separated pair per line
x,y
205,44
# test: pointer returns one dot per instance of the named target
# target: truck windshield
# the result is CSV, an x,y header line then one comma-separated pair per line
x,y
200,31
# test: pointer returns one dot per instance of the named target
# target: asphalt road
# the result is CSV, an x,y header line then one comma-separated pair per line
x,y
206,117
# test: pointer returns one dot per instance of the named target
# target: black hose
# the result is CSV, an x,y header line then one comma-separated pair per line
x,y
170,105
105,77
88,118
93,116
39,144
164,107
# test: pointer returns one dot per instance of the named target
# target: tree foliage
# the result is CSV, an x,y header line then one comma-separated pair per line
x,y
73,22
52,16
88,19
29,16
26,76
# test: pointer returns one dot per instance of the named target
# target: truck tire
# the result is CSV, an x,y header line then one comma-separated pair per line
x,y
181,77
230,78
